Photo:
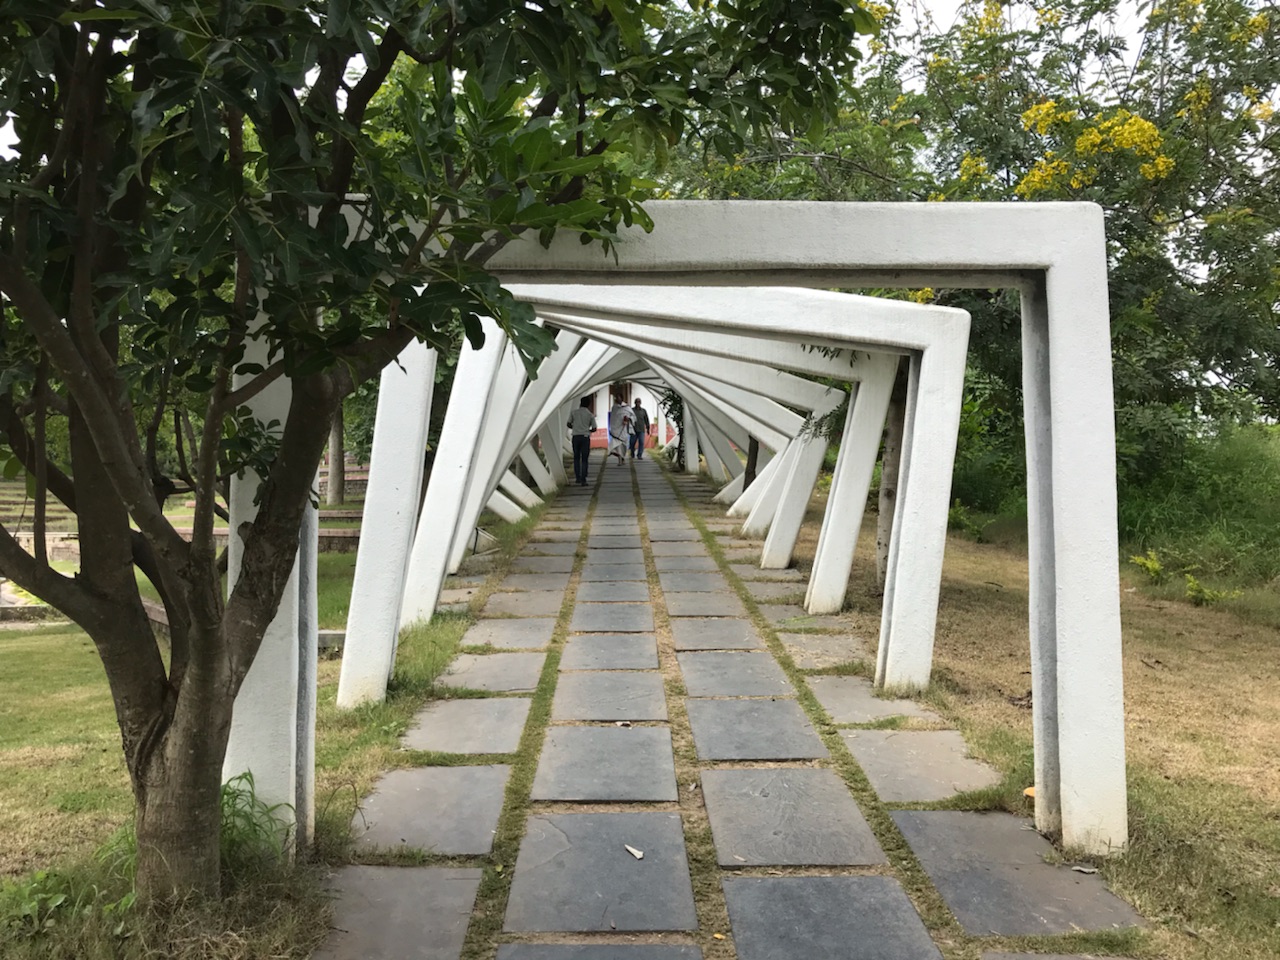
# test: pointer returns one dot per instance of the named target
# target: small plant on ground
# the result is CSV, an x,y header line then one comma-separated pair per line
x,y
1203,596
1151,566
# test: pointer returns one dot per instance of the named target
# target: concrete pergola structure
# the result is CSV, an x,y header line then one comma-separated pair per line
x,y
1054,255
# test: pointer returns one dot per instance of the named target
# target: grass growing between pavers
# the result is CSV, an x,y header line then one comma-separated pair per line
x,y
905,867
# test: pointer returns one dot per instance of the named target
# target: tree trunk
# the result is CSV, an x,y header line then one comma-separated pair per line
x,y
753,459
179,811
337,492
889,468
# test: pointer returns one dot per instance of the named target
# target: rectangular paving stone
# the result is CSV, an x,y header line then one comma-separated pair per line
x,y
597,555
825,918
814,651
547,535
609,695
535,603
738,556
614,571
535,581
772,590
992,872
688,581
853,700
679,549
613,591
400,913
724,604
484,725
917,765
457,596
603,541
1040,956
495,672
612,618
598,951
574,875
445,810
688,534
752,730
669,564
793,617
733,674
606,765
715,633
525,633
786,817
566,548
610,651
542,564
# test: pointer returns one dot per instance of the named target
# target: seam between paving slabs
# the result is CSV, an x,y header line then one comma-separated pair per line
x,y
484,931
945,930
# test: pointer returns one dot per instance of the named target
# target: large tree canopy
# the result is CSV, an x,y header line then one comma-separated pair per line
x,y
328,179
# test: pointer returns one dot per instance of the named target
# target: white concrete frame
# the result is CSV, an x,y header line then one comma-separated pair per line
x,y
1054,254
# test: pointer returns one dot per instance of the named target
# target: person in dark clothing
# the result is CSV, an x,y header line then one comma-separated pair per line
x,y
639,429
582,423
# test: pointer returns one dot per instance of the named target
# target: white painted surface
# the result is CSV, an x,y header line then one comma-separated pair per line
x,y
396,465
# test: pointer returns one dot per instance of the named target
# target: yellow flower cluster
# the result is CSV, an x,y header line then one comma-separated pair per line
x,y
878,11
1083,176
924,295
1048,18
974,168
1157,169
1252,29
1131,132
1197,100
1259,108
991,19
1044,115
1045,175
937,63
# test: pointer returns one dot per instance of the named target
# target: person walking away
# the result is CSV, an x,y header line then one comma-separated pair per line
x,y
639,429
620,424
582,423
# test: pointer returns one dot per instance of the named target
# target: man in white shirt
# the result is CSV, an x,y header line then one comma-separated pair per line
x,y
582,423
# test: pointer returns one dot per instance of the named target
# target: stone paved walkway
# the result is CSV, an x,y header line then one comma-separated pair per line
x,y
684,804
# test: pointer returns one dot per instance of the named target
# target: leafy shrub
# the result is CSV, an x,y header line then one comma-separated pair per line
x,y
1151,566
1203,596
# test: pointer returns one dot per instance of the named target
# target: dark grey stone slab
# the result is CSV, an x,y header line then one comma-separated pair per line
x,y
724,604
825,918
702,564
574,874
608,651
598,951
993,874
752,730
606,765
679,549
400,913
597,555
614,571
715,633
786,817
548,535
853,700
1040,956
542,564
733,674
445,810
687,535
525,633
770,590
737,556
535,581
535,603
626,695
686,581
456,596
614,542
752,571
814,651
917,765
564,548
495,672
612,618
613,591
790,616
485,725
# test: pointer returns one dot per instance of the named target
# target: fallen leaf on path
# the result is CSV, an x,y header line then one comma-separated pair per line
x,y
638,854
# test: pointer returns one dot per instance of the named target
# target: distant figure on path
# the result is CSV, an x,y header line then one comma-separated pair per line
x,y
582,423
639,429
620,423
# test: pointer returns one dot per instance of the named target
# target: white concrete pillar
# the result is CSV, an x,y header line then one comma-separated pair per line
x,y
504,507
745,504
768,494
304,804
451,475
842,520
717,441
540,472
265,721
715,468
732,490
550,436
518,490
387,528
794,501
691,443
